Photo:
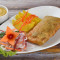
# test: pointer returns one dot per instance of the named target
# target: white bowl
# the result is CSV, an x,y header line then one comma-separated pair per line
x,y
4,17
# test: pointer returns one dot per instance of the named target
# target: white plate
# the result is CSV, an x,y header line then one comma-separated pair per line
x,y
41,12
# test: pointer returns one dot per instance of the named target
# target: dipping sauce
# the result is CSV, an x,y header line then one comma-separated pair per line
x,y
2,11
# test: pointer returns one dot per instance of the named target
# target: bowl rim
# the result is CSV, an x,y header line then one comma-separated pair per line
x,y
6,10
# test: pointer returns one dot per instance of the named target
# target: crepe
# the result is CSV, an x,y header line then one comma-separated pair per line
x,y
44,30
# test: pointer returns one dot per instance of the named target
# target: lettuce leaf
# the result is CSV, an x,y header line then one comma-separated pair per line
x,y
6,53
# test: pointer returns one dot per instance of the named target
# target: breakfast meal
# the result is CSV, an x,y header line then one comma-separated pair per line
x,y
28,28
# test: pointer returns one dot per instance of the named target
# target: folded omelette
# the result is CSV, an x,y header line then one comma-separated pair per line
x,y
44,30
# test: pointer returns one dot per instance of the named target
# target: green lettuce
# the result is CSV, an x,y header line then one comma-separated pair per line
x,y
6,53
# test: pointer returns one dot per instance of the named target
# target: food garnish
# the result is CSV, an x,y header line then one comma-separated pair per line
x,y
2,34
10,36
25,21
7,53
12,41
